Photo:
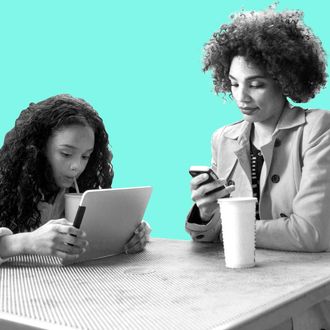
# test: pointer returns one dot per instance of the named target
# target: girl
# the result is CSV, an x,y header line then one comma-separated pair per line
x,y
53,142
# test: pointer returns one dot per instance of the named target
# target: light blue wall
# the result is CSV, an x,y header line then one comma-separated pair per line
x,y
139,64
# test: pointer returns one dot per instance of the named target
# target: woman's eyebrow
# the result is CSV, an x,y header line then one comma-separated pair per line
x,y
250,77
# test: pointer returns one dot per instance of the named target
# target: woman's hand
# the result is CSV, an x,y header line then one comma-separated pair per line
x,y
140,238
206,201
57,238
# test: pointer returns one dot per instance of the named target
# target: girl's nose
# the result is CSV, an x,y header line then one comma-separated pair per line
x,y
75,166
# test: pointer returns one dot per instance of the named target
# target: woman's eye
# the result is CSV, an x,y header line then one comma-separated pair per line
x,y
233,84
256,85
65,154
85,157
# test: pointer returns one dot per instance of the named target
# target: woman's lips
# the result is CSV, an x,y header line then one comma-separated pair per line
x,y
248,110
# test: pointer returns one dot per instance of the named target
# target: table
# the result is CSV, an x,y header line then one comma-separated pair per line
x,y
171,285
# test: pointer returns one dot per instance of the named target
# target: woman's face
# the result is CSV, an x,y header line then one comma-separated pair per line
x,y
68,151
257,95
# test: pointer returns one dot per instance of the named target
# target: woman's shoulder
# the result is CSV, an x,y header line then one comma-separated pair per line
x,y
232,130
317,120
317,114
316,126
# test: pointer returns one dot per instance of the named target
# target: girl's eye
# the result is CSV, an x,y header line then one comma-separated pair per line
x,y
232,84
85,157
65,154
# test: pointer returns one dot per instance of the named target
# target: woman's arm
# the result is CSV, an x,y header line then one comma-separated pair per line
x,y
203,221
307,228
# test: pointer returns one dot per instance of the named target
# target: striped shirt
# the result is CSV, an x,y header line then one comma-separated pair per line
x,y
257,161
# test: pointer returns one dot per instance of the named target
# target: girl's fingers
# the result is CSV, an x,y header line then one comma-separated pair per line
x,y
66,256
76,241
139,238
71,249
137,247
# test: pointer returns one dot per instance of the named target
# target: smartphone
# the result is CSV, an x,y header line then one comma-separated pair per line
x,y
197,170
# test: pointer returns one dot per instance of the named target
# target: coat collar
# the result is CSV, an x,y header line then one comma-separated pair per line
x,y
290,117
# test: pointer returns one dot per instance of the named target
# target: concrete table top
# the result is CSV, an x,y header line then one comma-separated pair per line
x,y
171,285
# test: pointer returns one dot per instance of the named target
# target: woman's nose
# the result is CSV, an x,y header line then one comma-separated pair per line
x,y
242,95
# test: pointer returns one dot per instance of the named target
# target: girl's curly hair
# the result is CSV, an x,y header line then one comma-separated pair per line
x,y
279,43
26,175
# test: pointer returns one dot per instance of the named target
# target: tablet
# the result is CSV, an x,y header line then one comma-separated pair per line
x,y
109,217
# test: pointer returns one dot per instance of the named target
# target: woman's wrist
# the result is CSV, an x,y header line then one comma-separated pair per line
x,y
207,217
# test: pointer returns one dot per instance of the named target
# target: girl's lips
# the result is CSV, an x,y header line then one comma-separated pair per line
x,y
68,178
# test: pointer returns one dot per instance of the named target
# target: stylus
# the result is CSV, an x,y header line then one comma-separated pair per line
x,y
79,216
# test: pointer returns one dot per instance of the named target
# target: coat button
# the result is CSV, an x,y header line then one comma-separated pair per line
x,y
231,183
277,143
275,178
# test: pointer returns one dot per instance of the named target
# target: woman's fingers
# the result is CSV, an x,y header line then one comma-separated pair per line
x,y
198,180
214,189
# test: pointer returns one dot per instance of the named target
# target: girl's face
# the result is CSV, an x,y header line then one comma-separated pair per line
x,y
68,151
257,95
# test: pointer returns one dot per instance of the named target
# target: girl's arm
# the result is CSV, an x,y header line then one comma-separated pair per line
x,y
11,245
56,238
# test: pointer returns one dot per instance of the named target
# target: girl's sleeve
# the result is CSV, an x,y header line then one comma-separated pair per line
x,y
3,232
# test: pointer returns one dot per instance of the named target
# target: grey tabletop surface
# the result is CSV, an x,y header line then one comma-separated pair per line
x,y
171,285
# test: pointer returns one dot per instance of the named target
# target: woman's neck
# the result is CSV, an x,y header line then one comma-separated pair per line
x,y
261,134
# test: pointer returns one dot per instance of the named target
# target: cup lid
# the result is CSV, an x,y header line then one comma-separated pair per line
x,y
237,199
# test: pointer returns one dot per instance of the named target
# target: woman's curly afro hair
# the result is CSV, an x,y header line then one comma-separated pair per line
x,y
279,43
25,174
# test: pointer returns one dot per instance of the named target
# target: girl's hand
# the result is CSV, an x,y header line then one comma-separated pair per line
x,y
140,238
207,202
58,238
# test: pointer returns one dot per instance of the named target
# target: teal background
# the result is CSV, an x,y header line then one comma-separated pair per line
x,y
139,64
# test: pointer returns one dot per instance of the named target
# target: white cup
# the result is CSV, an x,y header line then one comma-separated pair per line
x,y
238,231
71,205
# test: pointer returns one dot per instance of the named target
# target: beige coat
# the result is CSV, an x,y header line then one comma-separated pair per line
x,y
294,182
294,190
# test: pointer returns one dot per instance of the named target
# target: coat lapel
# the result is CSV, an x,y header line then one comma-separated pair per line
x,y
237,139
291,117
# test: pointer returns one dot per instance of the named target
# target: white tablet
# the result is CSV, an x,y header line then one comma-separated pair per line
x,y
109,218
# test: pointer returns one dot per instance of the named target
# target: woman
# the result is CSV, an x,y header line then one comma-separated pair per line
x,y
278,153
53,142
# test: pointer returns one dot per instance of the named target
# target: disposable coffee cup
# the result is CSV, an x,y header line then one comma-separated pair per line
x,y
71,205
238,231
